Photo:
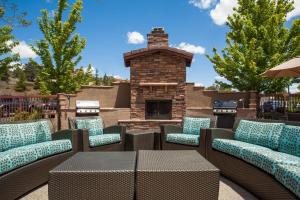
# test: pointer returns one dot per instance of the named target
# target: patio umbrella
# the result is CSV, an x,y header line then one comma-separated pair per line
x,y
289,68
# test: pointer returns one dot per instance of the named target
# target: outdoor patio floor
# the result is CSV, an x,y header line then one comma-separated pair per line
x,y
228,191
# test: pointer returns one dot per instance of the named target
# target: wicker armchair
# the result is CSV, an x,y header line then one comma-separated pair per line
x,y
168,129
84,136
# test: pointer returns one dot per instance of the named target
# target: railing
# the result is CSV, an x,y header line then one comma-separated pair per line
x,y
15,108
278,106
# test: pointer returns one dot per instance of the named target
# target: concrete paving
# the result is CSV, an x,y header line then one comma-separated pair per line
x,y
228,191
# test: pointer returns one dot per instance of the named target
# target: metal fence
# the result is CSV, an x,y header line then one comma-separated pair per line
x,y
16,108
278,106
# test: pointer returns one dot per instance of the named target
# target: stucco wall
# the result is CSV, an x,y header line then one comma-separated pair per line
x,y
199,97
116,96
115,102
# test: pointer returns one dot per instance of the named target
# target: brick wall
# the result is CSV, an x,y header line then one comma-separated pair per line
x,y
159,67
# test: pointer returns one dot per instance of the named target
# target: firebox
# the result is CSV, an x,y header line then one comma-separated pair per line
x,y
158,109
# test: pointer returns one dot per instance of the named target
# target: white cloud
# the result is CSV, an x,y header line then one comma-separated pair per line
x,y
191,48
118,77
220,78
135,38
222,10
24,50
199,84
296,11
202,4
93,70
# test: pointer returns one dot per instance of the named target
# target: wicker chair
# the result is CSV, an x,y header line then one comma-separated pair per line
x,y
200,147
85,137
23,179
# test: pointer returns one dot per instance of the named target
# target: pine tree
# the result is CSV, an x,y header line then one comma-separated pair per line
x,y
97,78
258,40
21,84
31,69
60,49
7,43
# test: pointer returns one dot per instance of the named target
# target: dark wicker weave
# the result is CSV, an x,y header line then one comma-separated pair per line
x,y
24,179
94,175
141,140
252,178
165,129
163,175
84,136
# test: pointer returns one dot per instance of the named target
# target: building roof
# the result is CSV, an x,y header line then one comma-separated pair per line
x,y
144,51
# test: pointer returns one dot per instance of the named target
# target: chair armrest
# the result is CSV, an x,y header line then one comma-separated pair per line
x,y
165,129
214,133
84,139
116,129
72,135
221,133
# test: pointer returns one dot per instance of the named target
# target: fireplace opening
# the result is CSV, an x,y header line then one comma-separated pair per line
x,y
158,109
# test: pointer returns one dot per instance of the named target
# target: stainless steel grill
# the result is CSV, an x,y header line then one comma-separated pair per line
x,y
225,112
221,107
87,107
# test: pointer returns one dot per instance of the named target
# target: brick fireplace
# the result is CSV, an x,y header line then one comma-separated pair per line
x,y
157,81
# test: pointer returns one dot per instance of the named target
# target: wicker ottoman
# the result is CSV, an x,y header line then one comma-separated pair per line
x,y
173,175
94,175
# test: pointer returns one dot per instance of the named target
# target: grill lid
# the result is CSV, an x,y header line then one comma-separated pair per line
x,y
87,106
231,104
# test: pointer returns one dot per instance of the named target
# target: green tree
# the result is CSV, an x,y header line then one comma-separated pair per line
x,y
21,84
84,77
97,78
7,43
31,68
258,40
13,16
219,86
60,49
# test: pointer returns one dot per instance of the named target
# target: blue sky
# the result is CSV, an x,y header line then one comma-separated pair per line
x,y
194,25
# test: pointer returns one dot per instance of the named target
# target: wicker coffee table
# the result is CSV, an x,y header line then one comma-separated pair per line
x,y
94,175
163,175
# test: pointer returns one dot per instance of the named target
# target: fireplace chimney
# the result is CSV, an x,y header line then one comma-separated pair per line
x,y
158,38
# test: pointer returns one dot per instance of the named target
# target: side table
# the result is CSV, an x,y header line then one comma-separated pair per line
x,y
142,140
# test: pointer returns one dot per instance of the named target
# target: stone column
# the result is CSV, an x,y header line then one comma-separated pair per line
x,y
253,100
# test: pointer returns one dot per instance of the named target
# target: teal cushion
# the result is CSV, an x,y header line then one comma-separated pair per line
x,y
267,159
17,135
289,176
186,139
94,126
15,158
49,148
232,147
289,141
99,140
192,125
263,134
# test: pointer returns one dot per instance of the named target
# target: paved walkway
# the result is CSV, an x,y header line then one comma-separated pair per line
x,y
228,191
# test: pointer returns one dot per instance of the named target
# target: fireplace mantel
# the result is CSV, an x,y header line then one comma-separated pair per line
x,y
153,84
